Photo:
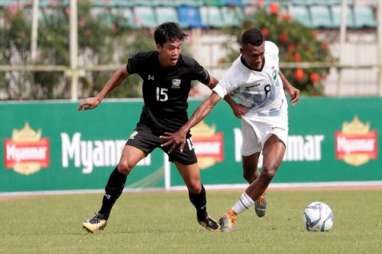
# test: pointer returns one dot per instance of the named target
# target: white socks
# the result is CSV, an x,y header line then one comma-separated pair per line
x,y
243,203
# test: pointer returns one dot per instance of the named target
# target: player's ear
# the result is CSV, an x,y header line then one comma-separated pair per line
x,y
159,47
241,50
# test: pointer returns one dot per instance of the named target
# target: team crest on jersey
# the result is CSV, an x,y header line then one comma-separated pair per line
x,y
150,77
175,83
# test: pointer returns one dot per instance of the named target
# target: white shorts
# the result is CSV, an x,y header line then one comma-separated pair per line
x,y
255,134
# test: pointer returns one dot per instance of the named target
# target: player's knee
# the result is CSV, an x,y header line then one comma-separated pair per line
x,y
195,186
124,167
269,172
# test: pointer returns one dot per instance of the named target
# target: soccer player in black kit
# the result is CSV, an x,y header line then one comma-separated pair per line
x,y
167,76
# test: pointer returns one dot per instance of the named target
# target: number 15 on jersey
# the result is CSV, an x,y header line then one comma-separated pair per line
x,y
162,94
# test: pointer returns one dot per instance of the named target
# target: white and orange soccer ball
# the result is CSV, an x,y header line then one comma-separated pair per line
x,y
318,216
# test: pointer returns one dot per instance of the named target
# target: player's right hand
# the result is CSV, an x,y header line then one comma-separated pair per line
x,y
239,110
89,103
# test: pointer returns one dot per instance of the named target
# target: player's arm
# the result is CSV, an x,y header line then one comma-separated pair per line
x,y
115,80
293,92
238,110
179,138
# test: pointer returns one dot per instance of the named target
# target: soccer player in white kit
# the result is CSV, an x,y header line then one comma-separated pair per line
x,y
256,87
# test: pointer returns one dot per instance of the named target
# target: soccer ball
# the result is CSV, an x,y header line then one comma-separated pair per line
x,y
318,216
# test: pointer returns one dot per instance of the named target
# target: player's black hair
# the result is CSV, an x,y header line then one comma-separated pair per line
x,y
168,31
252,36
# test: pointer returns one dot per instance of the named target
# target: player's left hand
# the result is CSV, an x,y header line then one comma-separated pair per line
x,y
176,139
294,94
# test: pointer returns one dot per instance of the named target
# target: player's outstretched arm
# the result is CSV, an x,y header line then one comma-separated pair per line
x,y
115,80
293,92
178,139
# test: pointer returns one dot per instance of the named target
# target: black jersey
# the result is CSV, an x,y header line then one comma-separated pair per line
x,y
165,90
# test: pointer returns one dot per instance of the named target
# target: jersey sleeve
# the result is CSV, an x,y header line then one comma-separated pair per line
x,y
199,73
135,64
226,84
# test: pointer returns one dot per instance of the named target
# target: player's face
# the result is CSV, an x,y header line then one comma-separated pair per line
x,y
253,55
169,52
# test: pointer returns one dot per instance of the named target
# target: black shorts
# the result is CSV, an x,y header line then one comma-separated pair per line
x,y
144,139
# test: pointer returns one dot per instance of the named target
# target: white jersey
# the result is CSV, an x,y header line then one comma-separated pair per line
x,y
260,91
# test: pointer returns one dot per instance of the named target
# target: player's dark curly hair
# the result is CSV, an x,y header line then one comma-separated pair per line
x,y
168,31
252,36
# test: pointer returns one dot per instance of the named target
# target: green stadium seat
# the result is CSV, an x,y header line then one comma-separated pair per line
x,y
127,17
144,16
364,17
103,3
232,2
333,2
303,2
301,14
321,17
189,2
336,15
211,17
165,14
232,16
167,3
123,3
217,3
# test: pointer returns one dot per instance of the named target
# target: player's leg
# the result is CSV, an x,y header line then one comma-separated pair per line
x,y
250,173
273,153
197,194
129,158
250,162
250,150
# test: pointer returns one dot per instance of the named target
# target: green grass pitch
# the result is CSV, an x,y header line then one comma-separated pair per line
x,y
161,222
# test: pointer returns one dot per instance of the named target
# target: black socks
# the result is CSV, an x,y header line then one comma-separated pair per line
x,y
200,203
113,190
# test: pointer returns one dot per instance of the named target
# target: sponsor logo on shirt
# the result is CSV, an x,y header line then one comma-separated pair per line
x,y
150,77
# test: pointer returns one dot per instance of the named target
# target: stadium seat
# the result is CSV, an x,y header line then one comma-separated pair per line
x,y
321,17
232,16
144,16
363,17
165,14
301,14
127,16
189,16
303,2
167,3
189,2
333,2
211,17
122,3
218,3
336,15
102,3
232,2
